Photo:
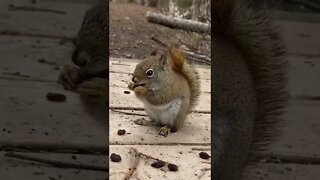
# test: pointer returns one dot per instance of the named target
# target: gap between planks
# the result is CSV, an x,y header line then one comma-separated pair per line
x,y
142,109
161,144
286,159
9,32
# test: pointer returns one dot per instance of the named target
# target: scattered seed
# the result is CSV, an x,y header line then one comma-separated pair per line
x,y
204,155
288,168
126,92
121,132
173,167
42,60
158,164
56,97
115,157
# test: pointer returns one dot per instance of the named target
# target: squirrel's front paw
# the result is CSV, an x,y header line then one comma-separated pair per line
x,y
142,122
68,77
131,86
140,90
164,131
93,87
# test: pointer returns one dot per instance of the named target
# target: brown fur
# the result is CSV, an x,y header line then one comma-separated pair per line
x,y
248,85
174,78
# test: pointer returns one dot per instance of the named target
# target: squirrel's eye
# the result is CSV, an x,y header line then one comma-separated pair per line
x,y
149,73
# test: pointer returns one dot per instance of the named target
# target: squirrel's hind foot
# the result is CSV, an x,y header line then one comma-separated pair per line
x,y
164,131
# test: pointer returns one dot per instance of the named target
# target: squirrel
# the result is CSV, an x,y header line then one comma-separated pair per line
x,y
249,86
169,87
88,74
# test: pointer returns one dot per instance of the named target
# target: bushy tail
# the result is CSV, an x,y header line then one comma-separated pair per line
x,y
188,71
254,34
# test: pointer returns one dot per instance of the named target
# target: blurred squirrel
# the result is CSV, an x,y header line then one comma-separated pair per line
x,y
168,86
88,75
248,85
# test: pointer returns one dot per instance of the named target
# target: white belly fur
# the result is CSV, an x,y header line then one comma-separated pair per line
x,y
164,114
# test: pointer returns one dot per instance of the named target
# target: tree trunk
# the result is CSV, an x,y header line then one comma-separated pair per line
x,y
179,23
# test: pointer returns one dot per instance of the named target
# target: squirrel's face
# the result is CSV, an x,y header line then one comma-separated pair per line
x,y
151,72
90,52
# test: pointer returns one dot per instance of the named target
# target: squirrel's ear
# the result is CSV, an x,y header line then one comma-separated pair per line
x,y
163,60
176,58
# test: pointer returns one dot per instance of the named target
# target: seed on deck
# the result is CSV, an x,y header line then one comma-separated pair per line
x,y
115,157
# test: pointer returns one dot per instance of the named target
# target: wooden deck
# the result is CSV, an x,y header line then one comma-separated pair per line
x,y
295,155
31,125
180,148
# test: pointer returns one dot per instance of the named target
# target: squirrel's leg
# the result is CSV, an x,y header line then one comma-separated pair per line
x,y
93,87
178,121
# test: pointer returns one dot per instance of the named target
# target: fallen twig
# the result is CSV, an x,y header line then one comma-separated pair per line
x,y
135,164
189,55
54,147
205,162
200,149
17,33
128,113
204,172
142,109
25,8
158,41
59,164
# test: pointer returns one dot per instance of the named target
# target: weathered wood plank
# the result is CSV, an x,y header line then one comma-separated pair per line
x,y
27,116
127,66
300,37
271,171
300,131
12,168
118,98
34,58
304,73
188,161
197,130
65,24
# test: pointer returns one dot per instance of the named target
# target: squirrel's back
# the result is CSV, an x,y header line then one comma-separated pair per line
x,y
190,73
248,85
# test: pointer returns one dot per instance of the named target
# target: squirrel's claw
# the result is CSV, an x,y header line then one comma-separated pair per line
x,y
164,131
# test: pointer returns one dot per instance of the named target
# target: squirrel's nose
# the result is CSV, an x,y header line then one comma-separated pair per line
x,y
135,79
80,59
